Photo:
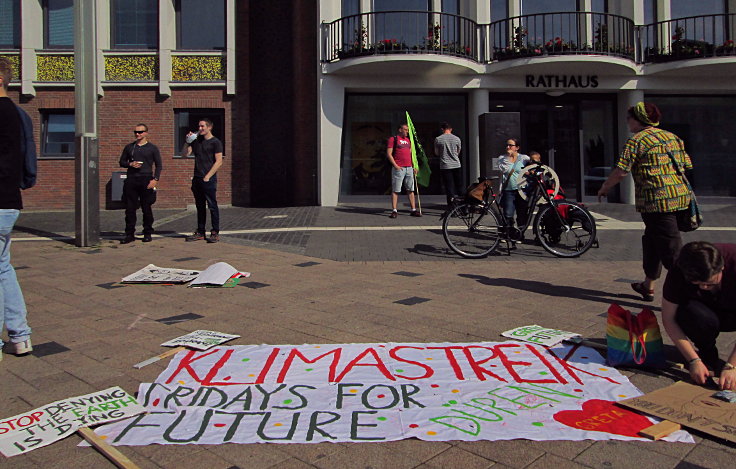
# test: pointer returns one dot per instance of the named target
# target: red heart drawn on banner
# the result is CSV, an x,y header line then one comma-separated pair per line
x,y
603,416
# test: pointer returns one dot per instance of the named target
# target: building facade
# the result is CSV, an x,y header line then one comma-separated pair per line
x,y
559,75
304,95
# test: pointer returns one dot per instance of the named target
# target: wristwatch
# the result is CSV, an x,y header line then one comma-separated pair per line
x,y
728,367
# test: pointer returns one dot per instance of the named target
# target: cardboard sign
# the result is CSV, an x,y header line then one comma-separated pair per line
x,y
539,335
52,422
200,340
383,392
691,406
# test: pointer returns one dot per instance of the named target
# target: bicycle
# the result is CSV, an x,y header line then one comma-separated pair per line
x,y
474,229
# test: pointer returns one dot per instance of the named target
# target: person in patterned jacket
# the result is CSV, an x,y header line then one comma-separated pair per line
x,y
659,191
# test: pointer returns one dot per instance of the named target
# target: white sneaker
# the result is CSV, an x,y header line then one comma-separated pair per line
x,y
20,348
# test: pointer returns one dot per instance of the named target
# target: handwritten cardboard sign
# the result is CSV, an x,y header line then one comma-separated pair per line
x,y
691,406
200,340
539,335
381,392
55,421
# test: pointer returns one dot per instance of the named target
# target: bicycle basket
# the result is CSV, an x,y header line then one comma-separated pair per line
x,y
479,192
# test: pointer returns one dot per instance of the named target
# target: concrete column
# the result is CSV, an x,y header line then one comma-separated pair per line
x,y
103,41
231,57
166,43
332,106
482,12
478,105
30,40
626,99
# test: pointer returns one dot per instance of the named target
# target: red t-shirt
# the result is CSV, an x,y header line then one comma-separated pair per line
x,y
679,291
402,150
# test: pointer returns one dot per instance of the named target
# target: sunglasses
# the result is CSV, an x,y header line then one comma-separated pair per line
x,y
139,132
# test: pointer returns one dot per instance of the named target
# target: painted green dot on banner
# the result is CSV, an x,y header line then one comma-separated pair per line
x,y
543,373
308,369
399,371
538,424
246,359
381,418
452,402
445,405
288,401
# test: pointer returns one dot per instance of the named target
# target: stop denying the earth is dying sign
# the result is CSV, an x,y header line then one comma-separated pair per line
x,y
383,392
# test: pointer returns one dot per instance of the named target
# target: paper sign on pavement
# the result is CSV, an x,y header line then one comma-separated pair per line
x,y
216,274
52,422
153,274
200,340
540,335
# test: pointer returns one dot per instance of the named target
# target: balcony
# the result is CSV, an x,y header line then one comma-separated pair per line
x,y
399,32
694,37
528,36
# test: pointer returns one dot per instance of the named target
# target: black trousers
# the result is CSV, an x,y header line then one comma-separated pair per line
x,y
660,244
452,179
205,194
701,324
135,194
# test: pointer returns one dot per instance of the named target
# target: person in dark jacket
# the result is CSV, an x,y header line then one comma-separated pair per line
x,y
140,157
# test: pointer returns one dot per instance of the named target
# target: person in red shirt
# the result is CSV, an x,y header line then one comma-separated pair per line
x,y
402,174
699,302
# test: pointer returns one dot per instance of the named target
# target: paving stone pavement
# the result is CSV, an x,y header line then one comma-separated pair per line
x,y
316,281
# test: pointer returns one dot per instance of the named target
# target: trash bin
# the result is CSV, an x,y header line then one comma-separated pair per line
x,y
116,185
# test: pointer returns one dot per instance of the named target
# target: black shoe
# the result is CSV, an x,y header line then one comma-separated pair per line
x,y
197,236
128,239
214,237
147,238
646,295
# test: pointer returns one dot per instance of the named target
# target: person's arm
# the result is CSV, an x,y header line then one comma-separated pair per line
x,y
215,167
390,155
696,367
616,176
157,174
30,165
124,160
186,150
728,377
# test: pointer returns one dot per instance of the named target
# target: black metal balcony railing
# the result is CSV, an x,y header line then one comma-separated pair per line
x,y
558,34
581,33
688,38
399,32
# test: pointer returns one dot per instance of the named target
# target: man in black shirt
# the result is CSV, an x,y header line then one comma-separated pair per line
x,y
12,175
140,157
207,151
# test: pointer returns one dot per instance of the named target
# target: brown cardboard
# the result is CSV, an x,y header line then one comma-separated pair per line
x,y
691,406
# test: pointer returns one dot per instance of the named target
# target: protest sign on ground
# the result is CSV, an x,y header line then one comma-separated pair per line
x,y
52,422
217,275
200,340
153,274
691,406
383,392
540,335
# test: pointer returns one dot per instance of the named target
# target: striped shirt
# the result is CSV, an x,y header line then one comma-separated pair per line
x,y
658,188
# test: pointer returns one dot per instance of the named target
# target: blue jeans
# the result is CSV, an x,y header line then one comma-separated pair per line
x,y
11,298
205,195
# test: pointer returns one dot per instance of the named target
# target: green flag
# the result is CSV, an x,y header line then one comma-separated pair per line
x,y
419,159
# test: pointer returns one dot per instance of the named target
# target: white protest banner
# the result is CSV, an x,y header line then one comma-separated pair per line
x,y
539,335
200,339
52,422
153,274
383,392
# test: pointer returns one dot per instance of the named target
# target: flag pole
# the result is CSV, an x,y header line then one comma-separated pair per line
x,y
416,189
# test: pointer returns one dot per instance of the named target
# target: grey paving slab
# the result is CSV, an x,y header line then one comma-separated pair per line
x,y
347,294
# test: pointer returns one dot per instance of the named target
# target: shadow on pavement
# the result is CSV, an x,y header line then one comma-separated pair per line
x,y
565,291
43,233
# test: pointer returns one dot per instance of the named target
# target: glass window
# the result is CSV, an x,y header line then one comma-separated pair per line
x,y
10,24
135,24
58,134
370,119
650,11
599,6
532,7
499,10
200,28
450,6
404,30
59,18
707,125
350,7
685,8
187,120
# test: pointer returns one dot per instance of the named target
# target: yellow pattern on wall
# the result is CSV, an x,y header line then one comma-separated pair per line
x,y
55,67
131,68
198,68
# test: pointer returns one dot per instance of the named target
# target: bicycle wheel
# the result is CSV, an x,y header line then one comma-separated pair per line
x,y
471,231
568,235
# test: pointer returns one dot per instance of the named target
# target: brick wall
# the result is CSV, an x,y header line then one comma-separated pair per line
x,y
118,113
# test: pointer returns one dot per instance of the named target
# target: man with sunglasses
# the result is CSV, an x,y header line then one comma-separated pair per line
x,y
699,302
140,157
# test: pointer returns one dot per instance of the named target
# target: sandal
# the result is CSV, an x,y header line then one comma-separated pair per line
x,y
646,295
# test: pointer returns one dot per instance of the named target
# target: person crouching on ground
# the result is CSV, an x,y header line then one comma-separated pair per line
x,y
699,302
398,151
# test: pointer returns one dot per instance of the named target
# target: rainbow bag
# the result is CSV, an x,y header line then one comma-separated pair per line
x,y
633,339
